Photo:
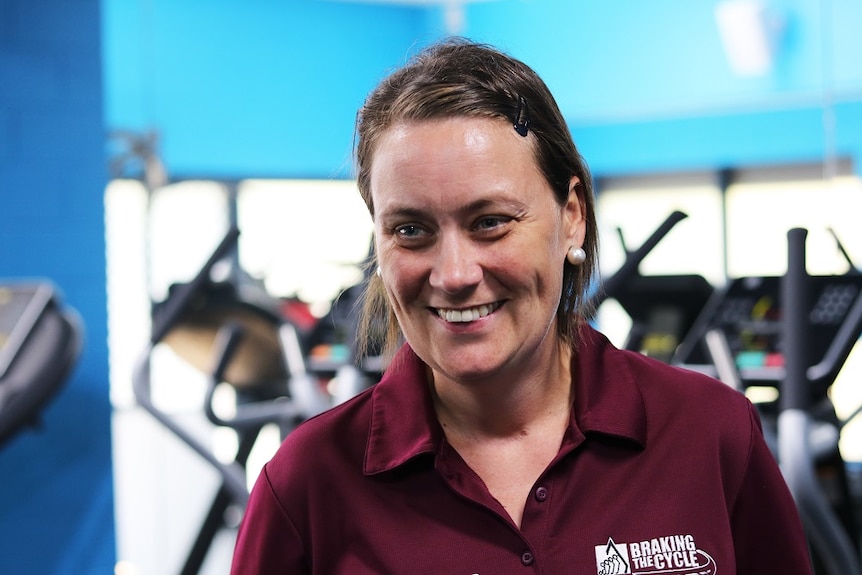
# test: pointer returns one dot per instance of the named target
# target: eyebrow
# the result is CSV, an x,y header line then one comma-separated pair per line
x,y
401,212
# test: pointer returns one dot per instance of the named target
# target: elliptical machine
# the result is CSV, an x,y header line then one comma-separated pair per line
x,y
239,338
662,308
792,334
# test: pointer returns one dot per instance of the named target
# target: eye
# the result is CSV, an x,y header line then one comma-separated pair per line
x,y
409,231
412,236
491,224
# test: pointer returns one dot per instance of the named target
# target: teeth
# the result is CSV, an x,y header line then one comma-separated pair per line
x,y
465,315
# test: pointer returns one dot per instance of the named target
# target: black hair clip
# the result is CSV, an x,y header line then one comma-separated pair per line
x,y
522,117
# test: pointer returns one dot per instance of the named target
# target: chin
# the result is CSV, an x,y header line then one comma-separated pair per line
x,y
466,362
475,372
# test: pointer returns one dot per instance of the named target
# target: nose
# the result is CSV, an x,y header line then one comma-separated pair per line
x,y
456,266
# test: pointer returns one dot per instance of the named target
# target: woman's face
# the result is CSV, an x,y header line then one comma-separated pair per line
x,y
471,245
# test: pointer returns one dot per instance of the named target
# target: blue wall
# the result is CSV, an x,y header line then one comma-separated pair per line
x,y
270,88
646,86
56,501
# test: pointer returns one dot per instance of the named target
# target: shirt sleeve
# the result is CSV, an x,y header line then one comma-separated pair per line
x,y
767,532
268,541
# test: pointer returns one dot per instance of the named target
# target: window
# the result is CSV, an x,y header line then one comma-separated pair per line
x,y
763,205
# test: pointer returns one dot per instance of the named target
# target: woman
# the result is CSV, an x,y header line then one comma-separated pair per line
x,y
507,436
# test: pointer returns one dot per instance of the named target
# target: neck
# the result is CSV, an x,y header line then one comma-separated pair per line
x,y
508,405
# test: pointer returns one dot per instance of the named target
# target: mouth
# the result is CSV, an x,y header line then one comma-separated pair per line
x,y
467,314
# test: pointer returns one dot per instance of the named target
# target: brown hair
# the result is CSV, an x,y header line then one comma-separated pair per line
x,y
458,77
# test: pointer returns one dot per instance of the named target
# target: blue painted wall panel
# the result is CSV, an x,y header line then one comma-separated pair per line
x,y
268,90
56,505
235,90
647,86
709,142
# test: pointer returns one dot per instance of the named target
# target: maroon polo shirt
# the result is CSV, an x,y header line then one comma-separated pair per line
x,y
661,470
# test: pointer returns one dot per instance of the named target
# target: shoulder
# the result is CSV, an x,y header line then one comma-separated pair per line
x,y
327,443
665,384
382,424
689,405
666,390
699,411
704,426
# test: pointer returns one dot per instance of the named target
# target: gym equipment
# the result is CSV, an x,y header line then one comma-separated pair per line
x,y
793,334
236,335
750,313
663,308
331,344
40,342
834,538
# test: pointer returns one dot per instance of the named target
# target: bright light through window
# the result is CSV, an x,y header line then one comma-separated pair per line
x,y
761,213
694,245
303,238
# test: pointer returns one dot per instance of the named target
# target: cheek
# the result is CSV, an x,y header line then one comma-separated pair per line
x,y
544,263
403,277
544,252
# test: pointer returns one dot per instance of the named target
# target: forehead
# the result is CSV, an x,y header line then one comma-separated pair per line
x,y
473,131
450,159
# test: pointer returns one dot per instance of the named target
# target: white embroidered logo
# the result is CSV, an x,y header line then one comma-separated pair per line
x,y
610,560
671,555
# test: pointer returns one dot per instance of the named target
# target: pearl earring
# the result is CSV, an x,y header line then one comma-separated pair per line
x,y
379,272
576,256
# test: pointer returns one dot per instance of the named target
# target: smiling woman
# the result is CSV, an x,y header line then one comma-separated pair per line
x,y
460,250
506,430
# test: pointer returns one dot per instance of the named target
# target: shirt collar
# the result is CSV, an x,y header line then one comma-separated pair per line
x,y
404,425
403,422
607,397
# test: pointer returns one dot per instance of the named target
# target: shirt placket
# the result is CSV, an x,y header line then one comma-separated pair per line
x,y
461,479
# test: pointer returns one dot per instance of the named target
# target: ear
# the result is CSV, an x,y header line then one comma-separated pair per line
x,y
574,224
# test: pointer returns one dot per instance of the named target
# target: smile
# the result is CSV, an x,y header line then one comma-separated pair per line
x,y
468,314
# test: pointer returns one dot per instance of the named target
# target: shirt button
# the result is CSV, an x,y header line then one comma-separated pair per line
x,y
527,558
541,494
